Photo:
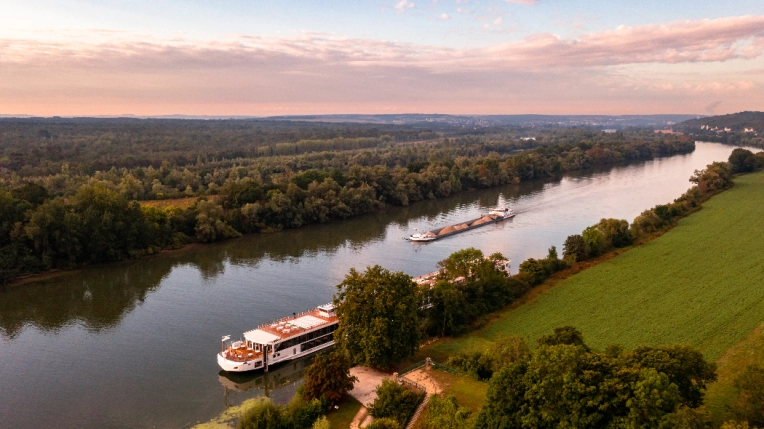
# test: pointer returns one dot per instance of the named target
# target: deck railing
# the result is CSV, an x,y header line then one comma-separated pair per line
x,y
283,319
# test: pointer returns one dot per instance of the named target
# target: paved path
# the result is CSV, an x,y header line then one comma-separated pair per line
x,y
364,389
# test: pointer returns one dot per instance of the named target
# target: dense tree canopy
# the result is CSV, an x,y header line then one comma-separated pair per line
x,y
564,383
378,322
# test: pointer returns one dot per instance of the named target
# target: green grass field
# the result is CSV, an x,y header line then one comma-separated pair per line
x,y
341,418
702,284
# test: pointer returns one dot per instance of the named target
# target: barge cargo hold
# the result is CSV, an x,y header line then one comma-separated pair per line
x,y
495,215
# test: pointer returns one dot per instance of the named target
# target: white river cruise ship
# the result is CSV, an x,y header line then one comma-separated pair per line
x,y
280,341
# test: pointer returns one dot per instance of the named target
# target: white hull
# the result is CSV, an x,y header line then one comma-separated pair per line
x,y
257,364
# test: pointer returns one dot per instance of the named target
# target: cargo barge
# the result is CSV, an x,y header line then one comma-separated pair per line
x,y
495,215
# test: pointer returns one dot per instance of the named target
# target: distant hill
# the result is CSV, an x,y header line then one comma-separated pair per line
x,y
593,121
736,122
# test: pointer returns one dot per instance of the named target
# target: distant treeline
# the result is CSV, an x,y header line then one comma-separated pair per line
x,y
39,147
102,221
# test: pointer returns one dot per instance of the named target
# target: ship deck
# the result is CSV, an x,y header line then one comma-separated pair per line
x,y
293,326
242,354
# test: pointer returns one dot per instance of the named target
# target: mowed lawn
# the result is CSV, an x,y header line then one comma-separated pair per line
x,y
701,284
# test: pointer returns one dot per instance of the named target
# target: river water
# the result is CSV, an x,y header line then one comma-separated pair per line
x,y
133,344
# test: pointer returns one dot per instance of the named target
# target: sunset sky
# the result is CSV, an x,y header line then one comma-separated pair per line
x,y
232,57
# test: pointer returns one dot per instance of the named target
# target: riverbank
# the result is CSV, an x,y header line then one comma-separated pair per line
x,y
695,285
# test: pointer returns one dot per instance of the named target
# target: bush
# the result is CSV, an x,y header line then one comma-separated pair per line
x,y
322,423
750,400
263,415
445,413
384,423
477,364
298,414
301,414
394,401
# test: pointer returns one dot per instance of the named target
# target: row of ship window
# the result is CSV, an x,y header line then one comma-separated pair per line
x,y
307,337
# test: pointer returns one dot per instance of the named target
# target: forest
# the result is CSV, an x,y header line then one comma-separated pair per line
x,y
75,216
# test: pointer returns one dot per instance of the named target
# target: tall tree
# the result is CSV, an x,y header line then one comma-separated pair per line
x,y
377,310
328,376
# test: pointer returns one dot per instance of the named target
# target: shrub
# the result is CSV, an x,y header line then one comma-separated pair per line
x,y
477,364
301,414
322,423
384,423
750,400
393,401
445,413
263,415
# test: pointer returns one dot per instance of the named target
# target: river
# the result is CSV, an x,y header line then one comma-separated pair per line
x,y
133,344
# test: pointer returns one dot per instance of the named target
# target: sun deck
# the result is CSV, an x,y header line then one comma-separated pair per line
x,y
294,326
242,354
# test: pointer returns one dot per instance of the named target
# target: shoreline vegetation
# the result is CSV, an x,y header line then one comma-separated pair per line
x,y
69,220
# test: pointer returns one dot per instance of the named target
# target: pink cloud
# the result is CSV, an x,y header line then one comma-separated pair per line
x,y
110,72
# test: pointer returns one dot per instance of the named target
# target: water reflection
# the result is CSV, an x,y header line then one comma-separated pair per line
x,y
276,384
96,298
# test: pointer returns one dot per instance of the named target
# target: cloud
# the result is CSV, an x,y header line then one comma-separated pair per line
x,y
711,108
315,71
444,16
403,5
677,42
527,2
717,40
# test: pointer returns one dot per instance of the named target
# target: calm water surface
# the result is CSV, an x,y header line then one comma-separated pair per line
x,y
133,344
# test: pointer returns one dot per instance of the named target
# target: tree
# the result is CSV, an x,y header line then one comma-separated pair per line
x,y
574,249
564,383
716,176
448,308
393,401
750,400
328,376
462,263
684,366
377,311
743,161
31,192
508,350
594,240
210,225
616,232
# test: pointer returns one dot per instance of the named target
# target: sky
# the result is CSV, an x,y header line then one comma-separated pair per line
x,y
288,57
